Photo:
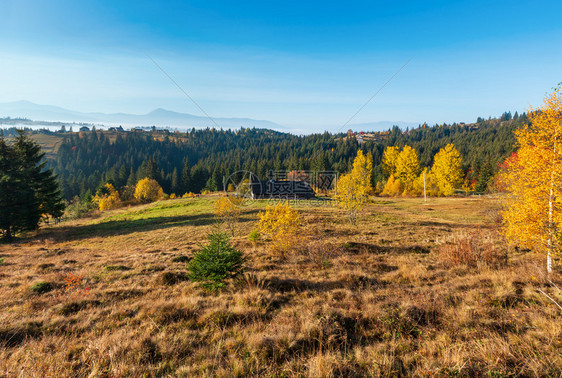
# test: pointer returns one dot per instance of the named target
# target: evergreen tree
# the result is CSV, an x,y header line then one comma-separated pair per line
x,y
149,169
132,179
174,187
186,177
486,174
27,189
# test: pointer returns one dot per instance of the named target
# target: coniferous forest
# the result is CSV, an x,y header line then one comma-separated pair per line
x,y
199,159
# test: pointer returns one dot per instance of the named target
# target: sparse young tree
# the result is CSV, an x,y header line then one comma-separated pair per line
x,y
446,172
227,210
354,187
280,223
534,212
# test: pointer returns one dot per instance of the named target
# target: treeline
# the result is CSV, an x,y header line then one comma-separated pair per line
x,y
198,160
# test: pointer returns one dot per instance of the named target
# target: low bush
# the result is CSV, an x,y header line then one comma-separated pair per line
x,y
78,208
319,252
472,249
254,236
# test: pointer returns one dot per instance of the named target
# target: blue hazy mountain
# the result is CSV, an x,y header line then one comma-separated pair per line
x,y
157,117
163,118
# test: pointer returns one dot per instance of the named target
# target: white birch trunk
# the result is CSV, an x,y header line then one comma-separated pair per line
x,y
550,241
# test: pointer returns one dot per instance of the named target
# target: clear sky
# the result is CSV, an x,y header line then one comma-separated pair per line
x,y
308,65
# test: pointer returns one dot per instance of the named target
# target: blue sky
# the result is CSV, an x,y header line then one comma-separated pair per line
x,y
305,65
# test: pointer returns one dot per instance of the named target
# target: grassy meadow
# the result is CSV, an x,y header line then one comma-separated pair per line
x,y
108,296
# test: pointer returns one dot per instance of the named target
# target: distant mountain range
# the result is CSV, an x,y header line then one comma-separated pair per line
x,y
158,117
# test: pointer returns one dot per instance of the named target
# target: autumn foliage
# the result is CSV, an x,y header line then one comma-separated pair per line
x,y
148,190
107,198
354,187
403,168
227,210
405,176
533,215
446,172
280,223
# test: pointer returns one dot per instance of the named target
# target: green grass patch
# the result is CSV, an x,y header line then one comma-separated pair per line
x,y
42,287
162,214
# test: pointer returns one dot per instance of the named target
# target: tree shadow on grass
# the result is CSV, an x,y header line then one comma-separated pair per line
x,y
357,247
126,226
283,285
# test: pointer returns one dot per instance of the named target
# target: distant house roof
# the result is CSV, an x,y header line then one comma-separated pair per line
x,y
288,189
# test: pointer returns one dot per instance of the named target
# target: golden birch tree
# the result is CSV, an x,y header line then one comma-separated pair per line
x,y
389,159
533,214
407,167
281,224
354,187
446,172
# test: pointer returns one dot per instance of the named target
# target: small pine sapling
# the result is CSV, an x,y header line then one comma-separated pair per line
x,y
216,262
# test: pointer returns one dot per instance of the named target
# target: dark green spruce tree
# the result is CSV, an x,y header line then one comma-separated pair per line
x,y
28,191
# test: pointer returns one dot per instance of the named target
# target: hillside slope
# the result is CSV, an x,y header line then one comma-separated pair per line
x,y
108,297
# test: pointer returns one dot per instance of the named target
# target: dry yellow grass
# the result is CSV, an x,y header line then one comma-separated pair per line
x,y
375,299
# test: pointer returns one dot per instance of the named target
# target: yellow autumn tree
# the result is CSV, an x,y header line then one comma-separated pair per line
x,y
107,198
227,210
446,172
407,168
533,215
280,223
389,159
421,182
353,188
392,188
148,190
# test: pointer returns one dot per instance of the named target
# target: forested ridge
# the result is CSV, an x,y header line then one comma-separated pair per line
x,y
199,159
